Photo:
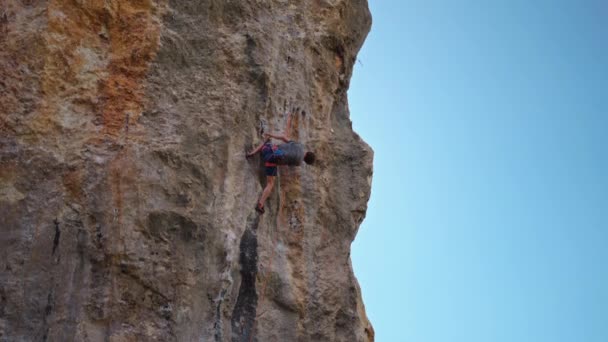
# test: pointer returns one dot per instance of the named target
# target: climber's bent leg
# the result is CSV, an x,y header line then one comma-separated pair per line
x,y
267,190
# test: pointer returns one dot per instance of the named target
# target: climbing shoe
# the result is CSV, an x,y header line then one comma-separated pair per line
x,y
259,209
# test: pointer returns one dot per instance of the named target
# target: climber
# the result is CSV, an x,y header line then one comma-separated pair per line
x,y
290,153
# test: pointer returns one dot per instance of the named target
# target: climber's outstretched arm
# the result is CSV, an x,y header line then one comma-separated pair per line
x,y
276,136
258,149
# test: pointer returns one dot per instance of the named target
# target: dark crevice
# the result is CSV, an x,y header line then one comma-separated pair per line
x,y
245,310
2,302
48,309
219,332
57,236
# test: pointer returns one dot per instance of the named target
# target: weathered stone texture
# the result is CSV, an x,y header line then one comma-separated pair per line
x,y
126,200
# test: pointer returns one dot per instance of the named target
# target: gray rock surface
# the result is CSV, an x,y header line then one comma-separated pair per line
x,y
126,200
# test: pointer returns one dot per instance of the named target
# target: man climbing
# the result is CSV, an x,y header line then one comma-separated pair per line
x,y
289,153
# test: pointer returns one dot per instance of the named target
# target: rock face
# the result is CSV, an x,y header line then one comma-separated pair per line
x,y
126,201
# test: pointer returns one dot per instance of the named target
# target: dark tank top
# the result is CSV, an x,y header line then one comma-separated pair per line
x,y
292,153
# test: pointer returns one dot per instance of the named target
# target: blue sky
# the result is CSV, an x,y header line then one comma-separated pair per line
x,y
488,220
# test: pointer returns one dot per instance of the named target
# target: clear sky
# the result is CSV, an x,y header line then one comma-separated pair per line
x,y
488,220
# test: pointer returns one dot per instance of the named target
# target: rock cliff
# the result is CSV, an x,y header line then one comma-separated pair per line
x,y
126,201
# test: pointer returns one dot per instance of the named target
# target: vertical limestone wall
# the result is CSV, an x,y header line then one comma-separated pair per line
x,y
126,200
